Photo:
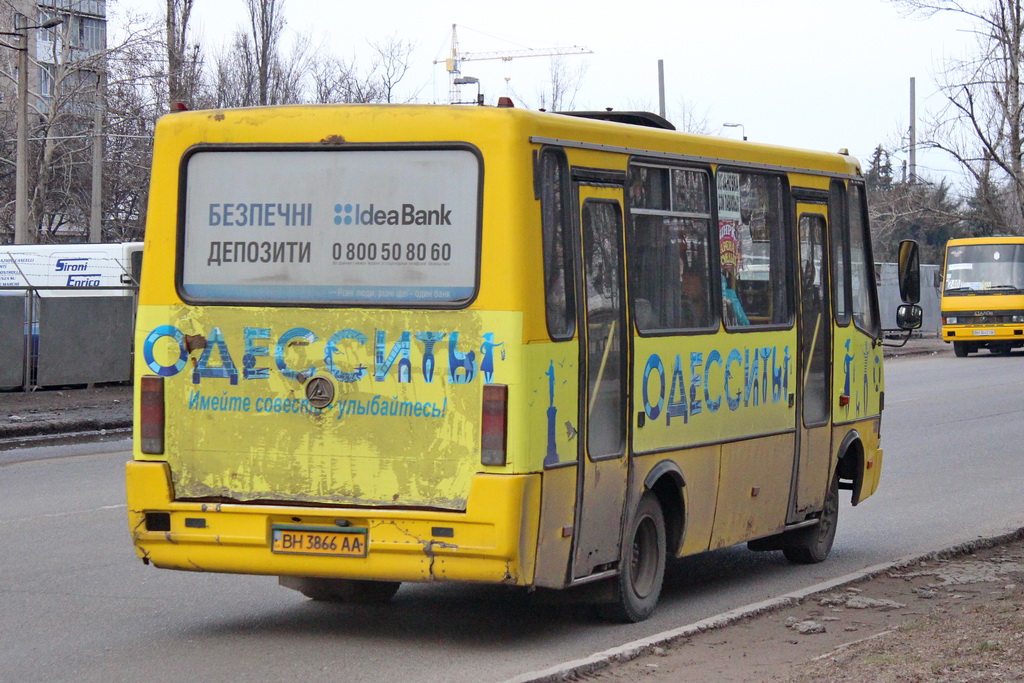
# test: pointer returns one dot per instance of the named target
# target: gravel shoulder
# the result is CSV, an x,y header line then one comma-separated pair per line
x,y
953,618
65,410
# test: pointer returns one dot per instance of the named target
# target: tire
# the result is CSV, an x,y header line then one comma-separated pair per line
x,y
812,545
641,566
960,349
342,590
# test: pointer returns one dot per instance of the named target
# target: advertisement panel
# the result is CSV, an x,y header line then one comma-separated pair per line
x,y
385,226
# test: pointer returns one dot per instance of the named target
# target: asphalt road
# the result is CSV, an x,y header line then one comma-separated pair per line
x,y
75,603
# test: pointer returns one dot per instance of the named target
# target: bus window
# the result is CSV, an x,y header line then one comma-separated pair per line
x,y
669,248
558,273
840,252
602,264
862,280
752,245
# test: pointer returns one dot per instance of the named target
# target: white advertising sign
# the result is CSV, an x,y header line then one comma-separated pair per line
x,y
365,226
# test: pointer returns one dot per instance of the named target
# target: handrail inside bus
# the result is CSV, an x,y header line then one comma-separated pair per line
x,y
604,361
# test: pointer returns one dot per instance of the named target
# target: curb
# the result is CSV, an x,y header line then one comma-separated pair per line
x,y
66,426
579,668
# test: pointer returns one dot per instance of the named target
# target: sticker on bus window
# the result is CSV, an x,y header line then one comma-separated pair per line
x,y
368,227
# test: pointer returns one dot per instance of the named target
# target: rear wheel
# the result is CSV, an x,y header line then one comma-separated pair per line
x,y
960,349
342,590
812,545
641,566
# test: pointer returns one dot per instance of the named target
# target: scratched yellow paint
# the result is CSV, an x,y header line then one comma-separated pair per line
x,y
404,432
857,373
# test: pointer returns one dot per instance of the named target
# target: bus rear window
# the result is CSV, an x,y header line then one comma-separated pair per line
x,y
312,226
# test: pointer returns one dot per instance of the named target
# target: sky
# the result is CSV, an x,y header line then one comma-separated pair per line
x,y
816,74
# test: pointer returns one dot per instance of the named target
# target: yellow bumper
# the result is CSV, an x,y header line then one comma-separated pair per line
x,y
982,334
493,541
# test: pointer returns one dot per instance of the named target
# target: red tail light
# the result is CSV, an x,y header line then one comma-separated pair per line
x,y
494,432
151,414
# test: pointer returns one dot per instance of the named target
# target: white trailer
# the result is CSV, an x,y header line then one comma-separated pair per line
x,y
70,269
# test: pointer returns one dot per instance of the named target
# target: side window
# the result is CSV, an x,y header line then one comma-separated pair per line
x,y
839,247
558,270
753,245
862,282
669,248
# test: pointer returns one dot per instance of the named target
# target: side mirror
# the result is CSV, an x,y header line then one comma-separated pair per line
x,y
909,316
910,274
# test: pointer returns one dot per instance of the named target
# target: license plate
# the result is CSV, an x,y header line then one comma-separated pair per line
x,y
984,333
317,540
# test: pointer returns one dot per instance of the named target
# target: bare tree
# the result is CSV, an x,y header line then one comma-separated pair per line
x,y
333,80
253,70
266,22
181,58
980,126
565,83
390,64
689,120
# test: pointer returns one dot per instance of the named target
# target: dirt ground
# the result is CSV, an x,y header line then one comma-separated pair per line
x,y
954,619
66,409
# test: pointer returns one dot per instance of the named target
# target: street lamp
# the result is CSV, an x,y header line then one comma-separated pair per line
x,y
737,125
22,234
469,80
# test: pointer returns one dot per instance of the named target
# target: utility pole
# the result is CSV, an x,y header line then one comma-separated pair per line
x,y
96,208
22,234
913,131
661,87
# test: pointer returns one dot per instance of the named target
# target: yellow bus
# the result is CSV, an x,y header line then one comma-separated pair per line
x,y
983,295
386,344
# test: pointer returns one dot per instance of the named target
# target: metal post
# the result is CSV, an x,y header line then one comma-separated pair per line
x,y
96,213
22,234
913,131
661,87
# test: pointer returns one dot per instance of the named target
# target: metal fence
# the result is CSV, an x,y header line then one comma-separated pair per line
x,y
49,340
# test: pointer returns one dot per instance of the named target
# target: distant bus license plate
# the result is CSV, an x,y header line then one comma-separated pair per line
x,y
295,540
984,333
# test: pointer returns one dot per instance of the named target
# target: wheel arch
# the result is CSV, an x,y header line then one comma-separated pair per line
x,y
850,466
668,484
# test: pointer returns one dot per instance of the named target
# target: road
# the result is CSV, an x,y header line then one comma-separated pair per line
x,y
75,603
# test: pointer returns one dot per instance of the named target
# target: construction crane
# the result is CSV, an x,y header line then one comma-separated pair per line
x,y
453,64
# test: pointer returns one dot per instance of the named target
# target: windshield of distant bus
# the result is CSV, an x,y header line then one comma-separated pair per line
x,y
985,268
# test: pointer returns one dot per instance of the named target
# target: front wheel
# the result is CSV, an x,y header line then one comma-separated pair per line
x,y
960,349
641,565
812,545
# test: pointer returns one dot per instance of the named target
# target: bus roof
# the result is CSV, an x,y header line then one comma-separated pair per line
x,y
995,239
341,124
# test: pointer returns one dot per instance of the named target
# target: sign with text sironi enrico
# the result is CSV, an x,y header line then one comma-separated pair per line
x,y
383,226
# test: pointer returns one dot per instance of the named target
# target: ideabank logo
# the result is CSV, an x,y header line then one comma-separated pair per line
x,y
408,214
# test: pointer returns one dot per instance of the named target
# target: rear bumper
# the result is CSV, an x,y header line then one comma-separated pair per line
x,y
493,541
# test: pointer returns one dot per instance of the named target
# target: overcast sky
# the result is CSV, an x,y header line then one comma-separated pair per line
x,y
818,74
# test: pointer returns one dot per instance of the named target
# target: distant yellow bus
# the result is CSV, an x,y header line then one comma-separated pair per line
x,y
983,295
386,344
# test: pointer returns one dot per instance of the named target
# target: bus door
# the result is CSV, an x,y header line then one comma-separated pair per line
x,y
604,337
814,429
